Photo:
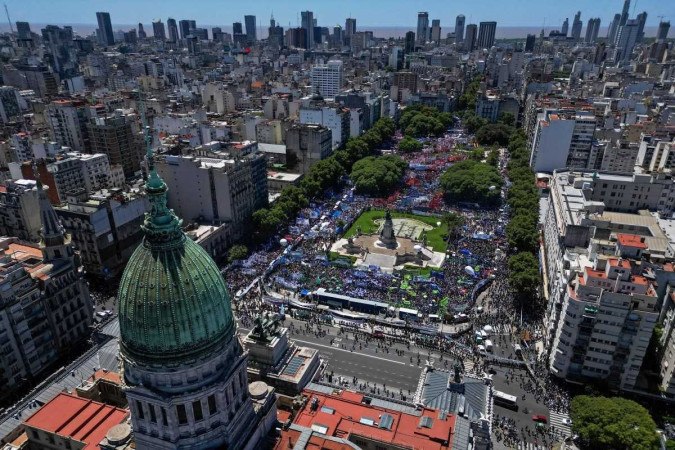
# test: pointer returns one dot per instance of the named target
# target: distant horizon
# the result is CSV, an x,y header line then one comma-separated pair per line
x,y
513,31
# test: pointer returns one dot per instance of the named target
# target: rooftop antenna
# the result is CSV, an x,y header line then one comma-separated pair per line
x,y
11,27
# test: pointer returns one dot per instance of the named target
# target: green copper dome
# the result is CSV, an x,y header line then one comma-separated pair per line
x,y
173,302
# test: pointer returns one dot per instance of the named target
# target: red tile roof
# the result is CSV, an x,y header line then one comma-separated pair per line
x,y
631,240
84,420
348,411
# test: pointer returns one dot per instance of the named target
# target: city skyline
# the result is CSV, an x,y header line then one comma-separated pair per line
x,y
507,13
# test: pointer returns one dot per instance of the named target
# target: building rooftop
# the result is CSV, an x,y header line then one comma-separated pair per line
x,y
344,413
78,418
631,240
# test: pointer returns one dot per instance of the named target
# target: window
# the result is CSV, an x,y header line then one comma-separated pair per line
x,y
212,404
182,414
153,416
164,420
197,411
139,407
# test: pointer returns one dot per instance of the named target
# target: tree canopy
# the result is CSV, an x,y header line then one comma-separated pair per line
x,y
377,176
524,275
409,145
613,423
421,121
472,181
494,134
237,252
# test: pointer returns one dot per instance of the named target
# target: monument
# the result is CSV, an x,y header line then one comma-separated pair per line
x,y
387,235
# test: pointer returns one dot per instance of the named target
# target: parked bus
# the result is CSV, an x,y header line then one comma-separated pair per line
x,y
505,400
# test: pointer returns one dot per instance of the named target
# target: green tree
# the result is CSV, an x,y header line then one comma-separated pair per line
x,y
524,275
494,134
409,145
613,423
506,118
268,221
377,176
521,233
237,252
472,181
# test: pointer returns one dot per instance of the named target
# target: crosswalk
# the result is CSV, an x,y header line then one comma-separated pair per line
x,y
556,422
530,446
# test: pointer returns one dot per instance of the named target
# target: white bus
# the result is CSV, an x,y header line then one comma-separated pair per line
x,y
505,400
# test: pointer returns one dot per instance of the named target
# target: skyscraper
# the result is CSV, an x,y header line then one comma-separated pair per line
x,y
436,31
105,31
486,34
158,30
23,30
409,42
596,30
626,39
350,26
176,324
251,32
613,29
459,28
529,42
470,38
237,28
173,29
589,30
662,34
422,27
642,20
307,23
624,13
141,32
184,28
565,26
577,25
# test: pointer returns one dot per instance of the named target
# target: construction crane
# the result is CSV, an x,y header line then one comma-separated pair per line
x,y
11,27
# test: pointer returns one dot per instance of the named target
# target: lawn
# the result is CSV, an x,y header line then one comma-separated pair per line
x,y
435,237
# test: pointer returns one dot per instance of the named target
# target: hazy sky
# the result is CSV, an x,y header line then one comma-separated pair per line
x,y
332,12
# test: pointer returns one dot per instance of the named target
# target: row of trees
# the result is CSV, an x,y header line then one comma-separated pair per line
x,y
324,175
522,232
377,176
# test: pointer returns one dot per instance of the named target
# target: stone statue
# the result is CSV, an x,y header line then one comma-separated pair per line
x,y
387,235
265,327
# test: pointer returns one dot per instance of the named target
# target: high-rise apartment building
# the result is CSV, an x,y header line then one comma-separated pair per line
x,y
116,137
626,40
158,30
624,13
577,25
409,42
251,29
184,28
67,121
105,31
327,79
642,21
19,210
307,24
350,26
563,140
565,27
486,34
422,27
471,37
436,31
173,30
613,29
23,30
141,32
308,144
459,29
217,187
662,33
592,29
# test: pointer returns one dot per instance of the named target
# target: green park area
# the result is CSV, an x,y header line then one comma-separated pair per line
x,y
369,222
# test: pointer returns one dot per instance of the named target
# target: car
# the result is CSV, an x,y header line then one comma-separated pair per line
x,y
539,418
567,421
